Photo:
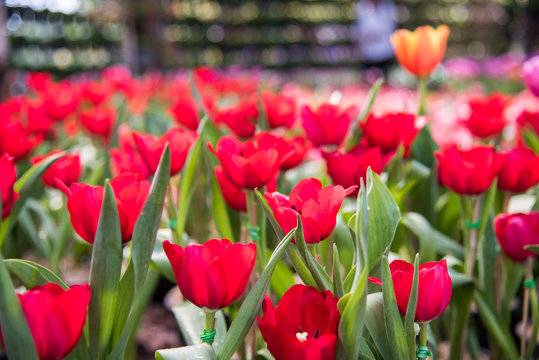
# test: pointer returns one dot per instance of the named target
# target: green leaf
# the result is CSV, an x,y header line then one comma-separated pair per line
x,y
291,251
251,305
105,271
410,312
375,324
500,333
282,279
531,139
191,322
202,351
355,130
338,286
353,305
187,187
220,211
384,217
23,186
145,230
18,340
323,282
429,237
461,301
32,274
392,317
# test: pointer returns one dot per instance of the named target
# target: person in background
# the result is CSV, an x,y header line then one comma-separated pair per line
x,y
376,21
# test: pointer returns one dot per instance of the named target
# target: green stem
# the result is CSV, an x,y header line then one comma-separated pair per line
x,y
173,217
422,349
535,320
470,207
208,334
254,229
525,305
422,88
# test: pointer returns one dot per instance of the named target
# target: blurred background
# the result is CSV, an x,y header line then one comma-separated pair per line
x,y
67,36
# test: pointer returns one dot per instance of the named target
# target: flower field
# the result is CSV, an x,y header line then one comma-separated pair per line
x,y
299,219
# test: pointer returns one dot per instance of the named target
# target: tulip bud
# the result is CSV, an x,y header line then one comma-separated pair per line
x,y
516,231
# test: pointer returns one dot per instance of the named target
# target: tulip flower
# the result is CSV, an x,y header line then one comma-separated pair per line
x,y
151,148
468,172
233,196
99,121
15,141
328,125
433,290
486,115
84,204
303,326
212,275
96,92
185,112
530,72
317,207
248,165
515,232
67,169
240,118
8,176
280,109
391,130
520,170
421,50
56,318
126,158
39,81
529,118
347,169
61,100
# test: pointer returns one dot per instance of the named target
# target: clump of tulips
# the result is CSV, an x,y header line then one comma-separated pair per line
x,y
295,226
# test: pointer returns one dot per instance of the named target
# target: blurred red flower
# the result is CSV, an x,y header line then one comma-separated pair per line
x,y
8,176
67,169
328,125
515,231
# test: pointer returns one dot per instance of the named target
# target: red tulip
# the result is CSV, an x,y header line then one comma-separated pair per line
x,y
529,118
39,81
151,148
212,275
96,92
327,125
68,168
468,172
433,291
240,118
61,100
84,204
126,158
347,169
56,318
515,231
303,326
486,115
99,121
8,176
291,151
185,112
520,170
15,141
280,109
317,207
247,165
391,130
233,196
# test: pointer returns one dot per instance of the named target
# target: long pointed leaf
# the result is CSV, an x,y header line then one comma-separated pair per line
x,y
32,274
147,224
105,271
202,351
338,286
323,282
251,305
394,326
410,312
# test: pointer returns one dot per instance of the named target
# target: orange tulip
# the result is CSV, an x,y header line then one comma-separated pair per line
x,y
421,50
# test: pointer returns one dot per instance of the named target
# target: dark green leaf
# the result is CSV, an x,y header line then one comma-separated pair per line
x,y
410,312
105,271
375,324
32,274
338,286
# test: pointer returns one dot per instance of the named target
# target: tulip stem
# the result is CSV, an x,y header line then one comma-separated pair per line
x,y
254,229
208,334
535,314
172,217
529,283
471,209
422,351
422,88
